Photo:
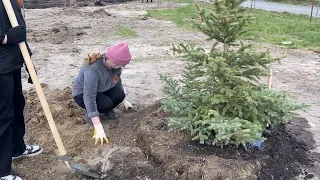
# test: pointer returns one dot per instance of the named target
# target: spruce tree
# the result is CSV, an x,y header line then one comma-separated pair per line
x,y
220,99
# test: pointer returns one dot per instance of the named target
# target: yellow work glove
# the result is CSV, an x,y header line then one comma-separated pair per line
x,y
99,134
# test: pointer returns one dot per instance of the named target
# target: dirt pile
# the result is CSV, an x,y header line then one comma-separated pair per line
x,y
99,13
59,34
40,4
281,158
37,4
141,147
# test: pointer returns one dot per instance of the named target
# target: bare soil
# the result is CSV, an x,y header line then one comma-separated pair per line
x,y
141,147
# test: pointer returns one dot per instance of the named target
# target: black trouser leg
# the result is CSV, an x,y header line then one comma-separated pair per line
x,y
18,122
116,94
12,125
6,121
106,101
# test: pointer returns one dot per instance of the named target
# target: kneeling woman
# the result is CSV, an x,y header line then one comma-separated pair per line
x,y
98,88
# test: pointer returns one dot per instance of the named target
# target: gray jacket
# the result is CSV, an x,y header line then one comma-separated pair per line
x,y
93,79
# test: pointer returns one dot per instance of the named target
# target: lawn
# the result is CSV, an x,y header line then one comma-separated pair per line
x,y
294,2
268,27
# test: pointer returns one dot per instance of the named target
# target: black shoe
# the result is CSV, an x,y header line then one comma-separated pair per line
x,y
31,150
111,115
11,177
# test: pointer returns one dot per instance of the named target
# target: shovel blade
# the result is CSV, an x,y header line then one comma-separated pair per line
x,y
82,170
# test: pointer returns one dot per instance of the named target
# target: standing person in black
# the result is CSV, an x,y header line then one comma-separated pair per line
x,y
12,124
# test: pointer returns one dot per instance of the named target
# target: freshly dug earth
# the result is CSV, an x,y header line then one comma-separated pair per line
x,y
141,147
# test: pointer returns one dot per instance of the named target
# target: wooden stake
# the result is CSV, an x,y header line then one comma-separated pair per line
x,y
318,10
311,10
270,79
253,2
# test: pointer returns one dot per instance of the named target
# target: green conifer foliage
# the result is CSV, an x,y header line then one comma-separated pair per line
x,y
219,99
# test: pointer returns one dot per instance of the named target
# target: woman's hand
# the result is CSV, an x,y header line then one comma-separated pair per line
x,y
5,40
99,133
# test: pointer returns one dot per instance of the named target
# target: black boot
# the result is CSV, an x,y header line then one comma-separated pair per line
x,y
111,115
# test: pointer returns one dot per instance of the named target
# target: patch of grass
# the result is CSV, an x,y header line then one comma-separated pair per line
x,y
183,1
294,2
181,16
178,1
275,28
126,32
269,27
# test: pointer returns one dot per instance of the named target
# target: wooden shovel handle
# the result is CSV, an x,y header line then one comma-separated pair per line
x,y
43,101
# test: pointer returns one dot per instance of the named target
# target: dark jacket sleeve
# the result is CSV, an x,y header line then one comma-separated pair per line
x,y
10,55
17,11
21,21
2,35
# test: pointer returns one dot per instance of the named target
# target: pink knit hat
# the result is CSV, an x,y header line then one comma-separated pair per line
x,y
119,54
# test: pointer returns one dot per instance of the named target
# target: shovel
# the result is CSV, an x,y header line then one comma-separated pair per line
x,y
76,167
